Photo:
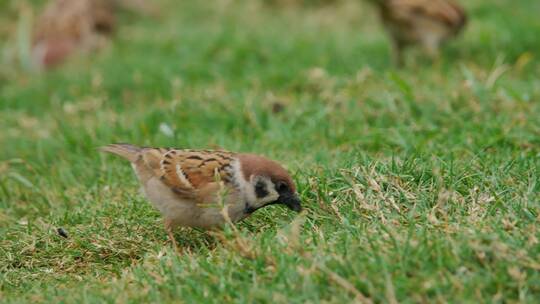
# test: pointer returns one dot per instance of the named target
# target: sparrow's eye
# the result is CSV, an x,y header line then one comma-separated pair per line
x,y
282,187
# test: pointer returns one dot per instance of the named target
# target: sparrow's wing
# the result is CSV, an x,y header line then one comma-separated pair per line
x,y
443,11
191,174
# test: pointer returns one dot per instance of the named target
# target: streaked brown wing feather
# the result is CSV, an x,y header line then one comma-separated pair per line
x,y
446,11
189,173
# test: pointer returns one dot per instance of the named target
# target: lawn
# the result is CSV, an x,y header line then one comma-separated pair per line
x,y
421,184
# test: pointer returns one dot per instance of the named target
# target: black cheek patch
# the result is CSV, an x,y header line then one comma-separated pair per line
x,y
260,189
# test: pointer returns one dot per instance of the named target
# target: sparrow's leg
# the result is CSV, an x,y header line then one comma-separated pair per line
x,y
169,228
398,48
431,44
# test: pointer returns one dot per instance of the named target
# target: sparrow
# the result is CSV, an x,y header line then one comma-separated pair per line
x,y
428,23
207,188
65,26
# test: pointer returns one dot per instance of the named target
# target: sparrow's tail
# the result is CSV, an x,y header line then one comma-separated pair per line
x,y
127,151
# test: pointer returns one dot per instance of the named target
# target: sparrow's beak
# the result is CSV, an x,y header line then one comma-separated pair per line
x,y
292,201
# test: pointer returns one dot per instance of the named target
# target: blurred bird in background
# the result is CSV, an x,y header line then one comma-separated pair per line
x,y
67,26
428,23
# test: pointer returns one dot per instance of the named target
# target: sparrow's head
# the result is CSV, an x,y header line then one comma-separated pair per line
x,y
267,183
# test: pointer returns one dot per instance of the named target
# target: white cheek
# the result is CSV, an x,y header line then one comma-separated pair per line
x,y
271,198
272,195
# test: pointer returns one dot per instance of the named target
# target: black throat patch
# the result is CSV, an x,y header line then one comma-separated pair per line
x,y
260,189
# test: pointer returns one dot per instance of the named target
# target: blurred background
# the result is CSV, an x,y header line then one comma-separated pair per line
x,y
439,156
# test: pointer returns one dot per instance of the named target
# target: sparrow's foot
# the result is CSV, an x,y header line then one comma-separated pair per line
x,y
173,242
169,229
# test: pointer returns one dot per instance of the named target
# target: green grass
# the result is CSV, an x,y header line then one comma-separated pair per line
x,y
421,184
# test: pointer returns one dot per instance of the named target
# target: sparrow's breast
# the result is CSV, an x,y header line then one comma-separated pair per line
x,y
187,213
